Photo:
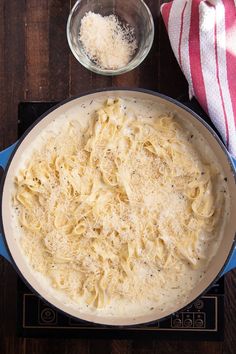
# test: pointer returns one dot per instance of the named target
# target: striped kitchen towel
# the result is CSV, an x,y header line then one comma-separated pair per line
x,y
203,37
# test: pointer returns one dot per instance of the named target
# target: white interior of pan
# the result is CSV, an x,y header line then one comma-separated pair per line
x,y
73,107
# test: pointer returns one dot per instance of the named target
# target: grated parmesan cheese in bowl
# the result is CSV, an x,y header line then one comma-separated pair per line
x,y
109,37
106,41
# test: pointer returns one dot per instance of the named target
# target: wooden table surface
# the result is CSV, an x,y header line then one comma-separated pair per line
x,y
36,64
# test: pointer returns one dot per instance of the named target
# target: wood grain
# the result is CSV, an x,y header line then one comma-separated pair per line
x,y
230,314
121,346
58,55
12,59
37,49
36,64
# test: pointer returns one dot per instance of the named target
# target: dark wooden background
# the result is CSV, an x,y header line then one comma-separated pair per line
x,y
36,64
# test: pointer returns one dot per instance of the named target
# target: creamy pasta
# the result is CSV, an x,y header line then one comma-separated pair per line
x,y
122,210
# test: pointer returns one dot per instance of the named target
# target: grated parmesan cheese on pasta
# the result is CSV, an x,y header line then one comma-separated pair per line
x,y
106,41
120,212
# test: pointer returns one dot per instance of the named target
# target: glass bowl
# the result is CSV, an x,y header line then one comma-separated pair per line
x,y
134,12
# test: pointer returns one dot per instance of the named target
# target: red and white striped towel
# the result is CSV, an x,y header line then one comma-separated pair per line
x,y
203,37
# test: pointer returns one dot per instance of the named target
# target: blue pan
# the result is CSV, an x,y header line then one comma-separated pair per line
x,y
223,261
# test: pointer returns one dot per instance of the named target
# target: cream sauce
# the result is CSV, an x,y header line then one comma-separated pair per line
x,y
145,110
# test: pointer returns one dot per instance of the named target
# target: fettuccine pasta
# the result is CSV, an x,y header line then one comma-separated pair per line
x,y
119,210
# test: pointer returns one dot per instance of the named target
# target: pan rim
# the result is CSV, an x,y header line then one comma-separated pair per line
x,y
84,94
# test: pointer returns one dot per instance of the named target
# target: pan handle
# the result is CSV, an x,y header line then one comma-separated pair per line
x,y
233,161
231,263
4,157
3,251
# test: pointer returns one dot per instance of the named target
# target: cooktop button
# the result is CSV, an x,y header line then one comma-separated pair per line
x,y
188,322
199,304
177,322
198,323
